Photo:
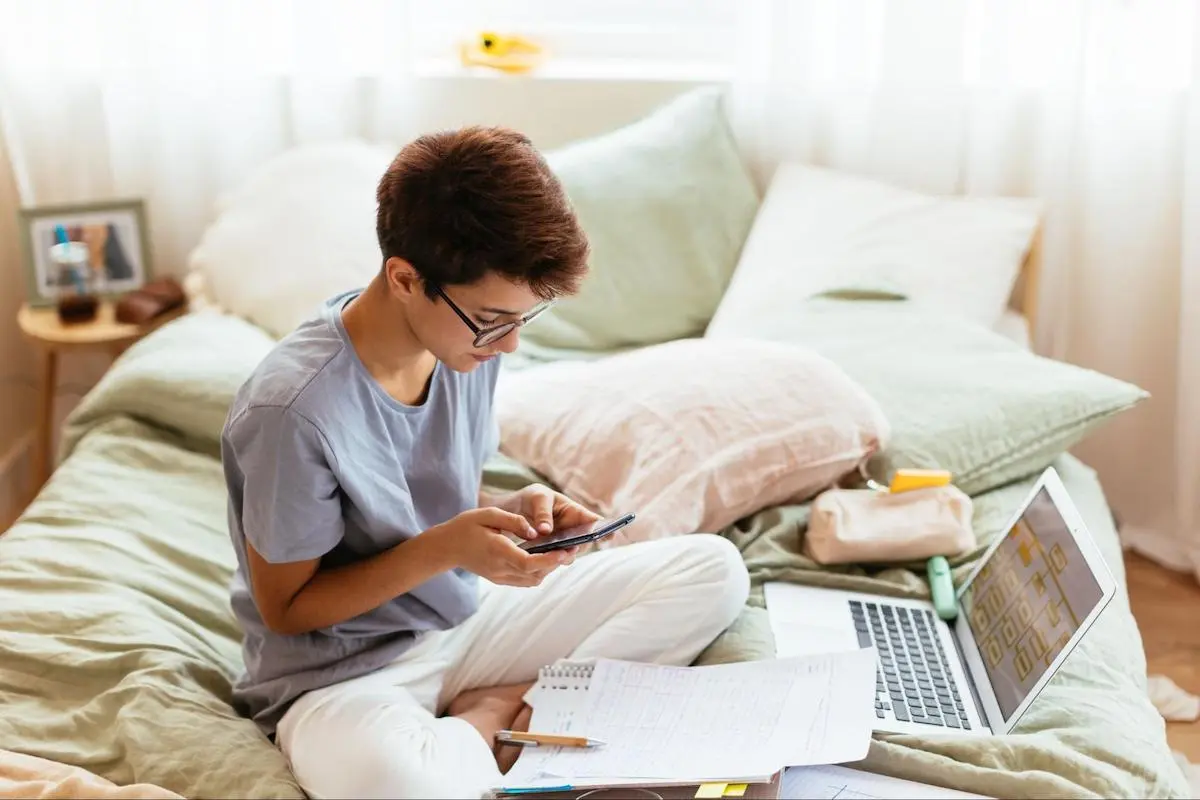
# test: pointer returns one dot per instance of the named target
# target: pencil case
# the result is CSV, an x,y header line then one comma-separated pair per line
x,y
860,526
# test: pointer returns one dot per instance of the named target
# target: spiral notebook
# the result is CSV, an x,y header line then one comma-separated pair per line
x,y
739,723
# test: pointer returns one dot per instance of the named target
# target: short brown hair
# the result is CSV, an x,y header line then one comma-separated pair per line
x,y
459,204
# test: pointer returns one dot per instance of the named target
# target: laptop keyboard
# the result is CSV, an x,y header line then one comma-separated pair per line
x,y
914,681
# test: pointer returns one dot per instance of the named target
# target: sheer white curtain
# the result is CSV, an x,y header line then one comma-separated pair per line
x,y
175,101
1089,104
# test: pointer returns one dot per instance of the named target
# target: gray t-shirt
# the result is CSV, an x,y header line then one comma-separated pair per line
x,y
321,462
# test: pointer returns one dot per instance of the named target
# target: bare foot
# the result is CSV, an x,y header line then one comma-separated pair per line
x,y
491,709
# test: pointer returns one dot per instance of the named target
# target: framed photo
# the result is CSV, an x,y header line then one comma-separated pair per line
x,y
114,233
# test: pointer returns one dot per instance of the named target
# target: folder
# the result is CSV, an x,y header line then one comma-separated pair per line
x,y
650,790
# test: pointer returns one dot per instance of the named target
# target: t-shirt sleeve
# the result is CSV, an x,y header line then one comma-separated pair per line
x,y
291,507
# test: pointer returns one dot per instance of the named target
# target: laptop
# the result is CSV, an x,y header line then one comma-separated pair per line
x,y
1030,599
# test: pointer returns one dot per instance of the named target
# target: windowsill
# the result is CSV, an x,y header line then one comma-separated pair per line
x,y
585,70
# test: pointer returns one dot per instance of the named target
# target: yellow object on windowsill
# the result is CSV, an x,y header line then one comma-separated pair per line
x,y
507,53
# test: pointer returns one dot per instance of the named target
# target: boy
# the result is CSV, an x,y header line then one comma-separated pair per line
x,y
391,625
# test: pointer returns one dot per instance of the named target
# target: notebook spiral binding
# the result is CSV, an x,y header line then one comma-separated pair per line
x,y
565,676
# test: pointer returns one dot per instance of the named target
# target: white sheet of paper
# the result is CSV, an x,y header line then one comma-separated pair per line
x,y
731,720
841,783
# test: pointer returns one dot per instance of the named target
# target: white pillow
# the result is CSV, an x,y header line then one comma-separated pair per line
x,y
821,231
666,203
300,229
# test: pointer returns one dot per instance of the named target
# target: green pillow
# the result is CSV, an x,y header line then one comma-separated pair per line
x,y
666,203
957,395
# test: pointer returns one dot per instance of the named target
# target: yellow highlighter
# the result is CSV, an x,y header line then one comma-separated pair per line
x,y
941,581
905,480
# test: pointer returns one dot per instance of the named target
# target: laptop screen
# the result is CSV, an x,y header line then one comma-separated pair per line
x,y
1023,606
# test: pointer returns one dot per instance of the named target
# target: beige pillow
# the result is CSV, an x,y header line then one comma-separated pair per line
x,y
690,435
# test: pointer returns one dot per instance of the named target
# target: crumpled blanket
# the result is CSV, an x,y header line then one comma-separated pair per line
x,y
1190,771
1176,705
1172,702
27,777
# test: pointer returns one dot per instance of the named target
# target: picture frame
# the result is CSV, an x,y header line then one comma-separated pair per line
x,y
116,233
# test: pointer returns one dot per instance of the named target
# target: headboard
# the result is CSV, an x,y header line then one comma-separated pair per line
x,y
1024,299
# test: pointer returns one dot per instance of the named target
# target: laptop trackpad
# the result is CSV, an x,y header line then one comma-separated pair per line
x,y
802,640
806,622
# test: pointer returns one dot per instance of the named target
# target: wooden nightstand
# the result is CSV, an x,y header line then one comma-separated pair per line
x,y
43,327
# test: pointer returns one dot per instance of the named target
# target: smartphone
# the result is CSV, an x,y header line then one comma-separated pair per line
x,y
580,534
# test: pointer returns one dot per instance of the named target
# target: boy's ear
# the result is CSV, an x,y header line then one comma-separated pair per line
x,y
402,278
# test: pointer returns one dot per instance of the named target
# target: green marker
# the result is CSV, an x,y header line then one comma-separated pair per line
x,y
941,586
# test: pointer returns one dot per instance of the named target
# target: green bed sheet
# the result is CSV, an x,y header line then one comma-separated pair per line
x,y
119,646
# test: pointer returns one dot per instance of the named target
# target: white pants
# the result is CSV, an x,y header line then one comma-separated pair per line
x,y
380,735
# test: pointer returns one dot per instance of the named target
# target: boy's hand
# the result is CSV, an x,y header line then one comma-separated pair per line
x,y
475,541
546,509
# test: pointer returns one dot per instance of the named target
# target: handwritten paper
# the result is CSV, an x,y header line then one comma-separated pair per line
x,y
745,720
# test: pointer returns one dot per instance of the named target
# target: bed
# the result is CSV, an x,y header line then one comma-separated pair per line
x,y
119,647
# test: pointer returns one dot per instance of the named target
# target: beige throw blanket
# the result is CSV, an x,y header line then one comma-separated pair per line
x,y
31,778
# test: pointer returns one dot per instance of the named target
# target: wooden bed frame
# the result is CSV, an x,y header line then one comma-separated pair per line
x,y
1024,299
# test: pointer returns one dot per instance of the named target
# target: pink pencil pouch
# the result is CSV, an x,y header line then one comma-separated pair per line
x,y
861,526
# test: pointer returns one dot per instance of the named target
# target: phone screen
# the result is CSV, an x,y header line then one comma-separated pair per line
x,y
580,534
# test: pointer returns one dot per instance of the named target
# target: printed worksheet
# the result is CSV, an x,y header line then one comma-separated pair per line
x,y
731,720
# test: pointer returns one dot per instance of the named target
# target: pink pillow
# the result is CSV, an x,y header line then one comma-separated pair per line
x,y
691,435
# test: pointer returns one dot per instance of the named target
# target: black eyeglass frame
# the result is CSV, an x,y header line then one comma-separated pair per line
x,y
493,333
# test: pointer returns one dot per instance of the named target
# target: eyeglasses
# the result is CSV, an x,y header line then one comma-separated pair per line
x,y
493,333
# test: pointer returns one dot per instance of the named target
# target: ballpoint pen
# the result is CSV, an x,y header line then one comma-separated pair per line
x,y
529,739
